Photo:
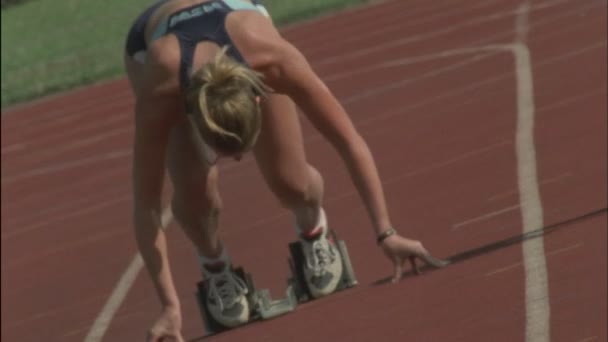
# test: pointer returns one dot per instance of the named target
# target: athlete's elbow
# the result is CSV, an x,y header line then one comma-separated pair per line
x,y
348,144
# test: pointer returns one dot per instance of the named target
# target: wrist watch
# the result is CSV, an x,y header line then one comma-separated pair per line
x,y
385,234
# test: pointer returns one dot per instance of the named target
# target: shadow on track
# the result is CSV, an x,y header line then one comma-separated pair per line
x,y
498,245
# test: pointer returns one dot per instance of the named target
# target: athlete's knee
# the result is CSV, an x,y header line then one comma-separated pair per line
x,y
189,210
299,191
197,199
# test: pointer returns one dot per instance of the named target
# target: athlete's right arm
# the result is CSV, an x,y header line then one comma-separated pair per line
x,y
155,110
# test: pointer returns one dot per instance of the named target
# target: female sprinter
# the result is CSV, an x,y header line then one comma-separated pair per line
x,y
212,79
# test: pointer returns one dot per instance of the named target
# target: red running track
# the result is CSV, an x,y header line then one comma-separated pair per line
x,y
434,88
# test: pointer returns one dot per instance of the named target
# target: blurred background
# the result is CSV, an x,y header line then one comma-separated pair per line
x,y
54,45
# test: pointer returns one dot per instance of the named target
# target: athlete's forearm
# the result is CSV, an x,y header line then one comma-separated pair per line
x,y
292,75
153,248
364,173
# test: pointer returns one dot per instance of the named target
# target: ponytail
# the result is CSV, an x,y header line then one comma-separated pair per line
x,y
222,95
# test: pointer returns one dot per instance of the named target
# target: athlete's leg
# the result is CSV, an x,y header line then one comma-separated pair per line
x,y
299,186
196,206
282,161
196,199
196,202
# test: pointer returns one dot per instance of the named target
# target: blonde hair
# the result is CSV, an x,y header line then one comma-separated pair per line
x,y
222,99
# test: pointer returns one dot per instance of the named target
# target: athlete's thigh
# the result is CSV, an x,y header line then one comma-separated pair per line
x,y
135,73
279,150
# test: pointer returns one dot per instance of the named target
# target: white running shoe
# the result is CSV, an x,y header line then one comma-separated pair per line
x,y
322,264
226,295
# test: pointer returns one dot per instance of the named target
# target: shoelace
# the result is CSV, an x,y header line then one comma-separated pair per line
x,y
319,255
227,288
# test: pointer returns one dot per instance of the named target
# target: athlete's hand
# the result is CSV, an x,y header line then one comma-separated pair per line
x,y
399,250
167,327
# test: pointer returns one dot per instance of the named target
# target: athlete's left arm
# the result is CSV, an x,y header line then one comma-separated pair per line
x,y
293,75
287,71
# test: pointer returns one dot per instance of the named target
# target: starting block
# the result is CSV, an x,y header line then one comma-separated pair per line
x,y
261,305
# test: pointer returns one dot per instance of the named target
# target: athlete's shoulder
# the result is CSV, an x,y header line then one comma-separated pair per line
x,y
256,37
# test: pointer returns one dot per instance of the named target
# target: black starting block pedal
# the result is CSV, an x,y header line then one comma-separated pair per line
x,y
296,264
261,305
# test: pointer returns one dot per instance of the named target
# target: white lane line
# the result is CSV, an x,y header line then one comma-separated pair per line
x,y
536,284
57,208
404,61
46,222
432,15
387,114
388,181
480,45
53,145
565,101
458,226
71,244
588,339
474,59
518,264
12,148
101,324
507,194
57,168
427,36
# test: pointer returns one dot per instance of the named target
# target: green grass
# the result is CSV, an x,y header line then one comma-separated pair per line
x,y
54,45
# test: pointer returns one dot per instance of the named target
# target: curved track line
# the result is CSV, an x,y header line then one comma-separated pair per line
x,y
103,320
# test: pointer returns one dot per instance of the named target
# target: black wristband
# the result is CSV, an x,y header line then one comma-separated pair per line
x,y
385,234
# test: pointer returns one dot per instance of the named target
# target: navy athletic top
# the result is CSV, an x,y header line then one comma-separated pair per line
x,y
191,25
